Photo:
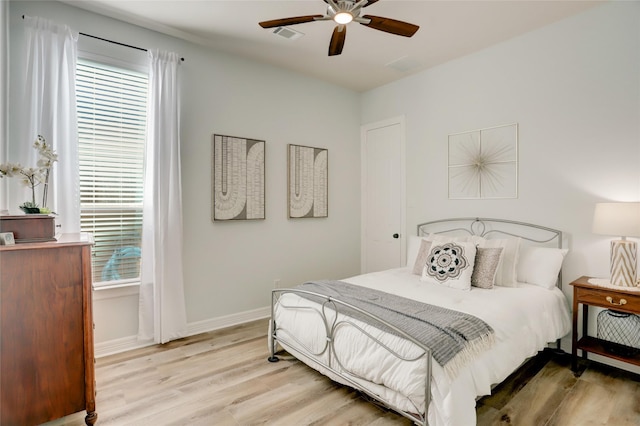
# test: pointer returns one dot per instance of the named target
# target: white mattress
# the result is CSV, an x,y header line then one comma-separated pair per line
x,y
524,319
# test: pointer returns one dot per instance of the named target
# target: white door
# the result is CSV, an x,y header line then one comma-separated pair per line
x,y
383,195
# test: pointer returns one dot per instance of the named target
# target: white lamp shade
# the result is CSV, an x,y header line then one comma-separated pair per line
x,y
618,219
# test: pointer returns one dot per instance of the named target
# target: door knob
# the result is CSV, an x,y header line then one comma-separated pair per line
x,y
396,235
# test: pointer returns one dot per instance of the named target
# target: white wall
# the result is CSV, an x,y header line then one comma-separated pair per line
x,y
230,268
574,89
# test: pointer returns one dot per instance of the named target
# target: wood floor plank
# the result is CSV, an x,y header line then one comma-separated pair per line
x,y
358,412
626,409
503,393
313,412
487,415
586,404
223,378
619,389
269,407
537,401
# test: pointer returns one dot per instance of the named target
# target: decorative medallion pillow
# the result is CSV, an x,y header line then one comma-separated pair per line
x,y
450,264
414,247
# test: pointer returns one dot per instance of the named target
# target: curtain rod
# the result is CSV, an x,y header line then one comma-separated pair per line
x,y
114,42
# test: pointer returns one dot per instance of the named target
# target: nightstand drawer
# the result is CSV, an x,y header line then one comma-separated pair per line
x,y
609,299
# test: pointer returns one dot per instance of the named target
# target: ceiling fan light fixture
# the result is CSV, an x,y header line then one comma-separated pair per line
x,y
343,18
343,12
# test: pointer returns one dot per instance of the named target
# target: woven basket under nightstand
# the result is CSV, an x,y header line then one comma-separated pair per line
x,y
619,327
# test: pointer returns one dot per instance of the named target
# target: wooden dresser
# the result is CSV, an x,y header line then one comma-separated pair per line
x,y
46,326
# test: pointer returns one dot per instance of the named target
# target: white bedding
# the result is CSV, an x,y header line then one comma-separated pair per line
x,y
524,319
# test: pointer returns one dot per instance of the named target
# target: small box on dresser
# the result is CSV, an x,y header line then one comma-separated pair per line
x,y
29,228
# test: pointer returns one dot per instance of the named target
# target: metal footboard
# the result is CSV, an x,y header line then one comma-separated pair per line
x,y
334,320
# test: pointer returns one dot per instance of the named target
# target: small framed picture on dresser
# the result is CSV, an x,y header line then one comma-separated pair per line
x,y
6,239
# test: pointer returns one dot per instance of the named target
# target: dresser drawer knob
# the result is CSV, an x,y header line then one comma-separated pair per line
x,y
622,301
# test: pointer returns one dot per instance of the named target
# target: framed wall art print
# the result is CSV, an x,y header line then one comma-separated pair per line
x,y
483,163
238,178
308,181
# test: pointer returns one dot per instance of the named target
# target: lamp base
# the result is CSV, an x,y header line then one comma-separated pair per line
x,y
624,263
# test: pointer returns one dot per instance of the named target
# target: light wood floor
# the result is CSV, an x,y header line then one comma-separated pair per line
x,y
223,378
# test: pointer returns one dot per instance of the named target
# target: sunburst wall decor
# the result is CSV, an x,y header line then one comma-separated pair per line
x,y
484,163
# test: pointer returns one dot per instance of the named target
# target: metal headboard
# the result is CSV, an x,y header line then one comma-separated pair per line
x,y
484,227
491,227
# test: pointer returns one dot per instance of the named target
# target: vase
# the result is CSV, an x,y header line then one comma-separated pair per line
x,y
30,210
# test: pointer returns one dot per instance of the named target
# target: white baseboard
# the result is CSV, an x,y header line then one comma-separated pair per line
x,y
122,344
227,321
128,343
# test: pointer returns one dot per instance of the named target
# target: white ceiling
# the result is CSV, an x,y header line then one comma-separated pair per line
x,y
448,29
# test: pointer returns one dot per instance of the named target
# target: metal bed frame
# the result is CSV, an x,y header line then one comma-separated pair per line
x,y
330,308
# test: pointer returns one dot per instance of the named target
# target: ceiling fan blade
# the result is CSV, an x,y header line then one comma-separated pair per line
x,y
392,26
289,21
337,40
369,2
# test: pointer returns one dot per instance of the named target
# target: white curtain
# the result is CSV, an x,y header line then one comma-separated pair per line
x,y
162,308
50,95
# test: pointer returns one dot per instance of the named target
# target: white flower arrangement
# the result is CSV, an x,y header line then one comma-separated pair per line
x,y
34,176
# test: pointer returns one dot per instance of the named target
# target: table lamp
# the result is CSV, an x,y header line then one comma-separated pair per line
x,y
621,219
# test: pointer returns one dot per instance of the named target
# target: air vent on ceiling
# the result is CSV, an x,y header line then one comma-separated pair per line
x,y
288,33
404,64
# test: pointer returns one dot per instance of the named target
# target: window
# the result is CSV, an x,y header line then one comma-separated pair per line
x,y
112,119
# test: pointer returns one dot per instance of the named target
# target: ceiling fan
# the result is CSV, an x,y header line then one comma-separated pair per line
x,y
344,12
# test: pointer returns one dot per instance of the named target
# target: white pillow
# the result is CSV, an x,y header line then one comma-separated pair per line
x,y
413,247
450,264
443,238
540,265
506,275
423,255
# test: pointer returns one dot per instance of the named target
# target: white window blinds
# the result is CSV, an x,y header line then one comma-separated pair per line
x,y
112,117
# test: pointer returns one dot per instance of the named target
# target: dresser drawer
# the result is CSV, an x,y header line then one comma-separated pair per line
x,y
609,299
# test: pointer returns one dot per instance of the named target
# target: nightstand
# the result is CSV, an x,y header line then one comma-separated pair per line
x,y
591,295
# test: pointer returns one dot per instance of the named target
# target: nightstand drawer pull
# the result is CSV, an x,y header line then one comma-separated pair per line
x,y
622,301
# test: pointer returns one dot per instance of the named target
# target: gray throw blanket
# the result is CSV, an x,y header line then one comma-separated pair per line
x,y
454,338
